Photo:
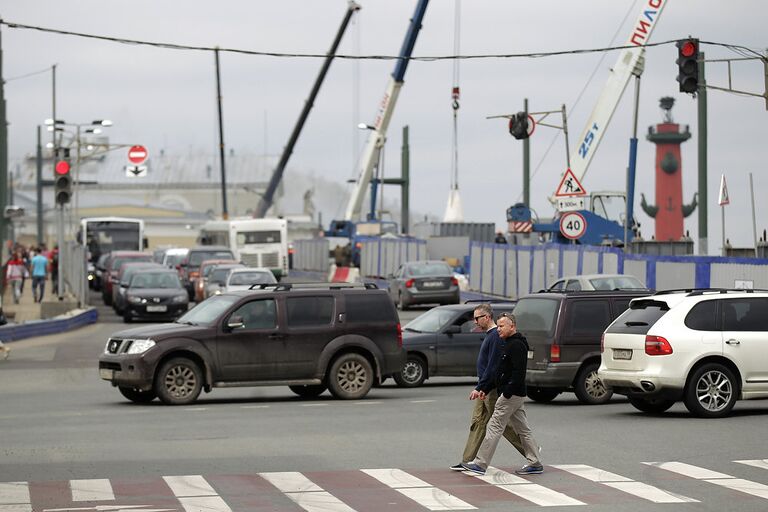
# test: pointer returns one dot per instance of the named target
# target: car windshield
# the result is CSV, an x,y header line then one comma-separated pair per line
x,y
174,259
208,311
197,257
219,275
249,278
536,315
155,280
431,321
430,269
616,282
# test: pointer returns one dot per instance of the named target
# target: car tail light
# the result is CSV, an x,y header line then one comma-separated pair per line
x,y
657,346
194,274
602,343
554,353
454,281
409,283
399,336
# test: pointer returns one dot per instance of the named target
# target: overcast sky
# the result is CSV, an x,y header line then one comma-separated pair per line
x,y
165,99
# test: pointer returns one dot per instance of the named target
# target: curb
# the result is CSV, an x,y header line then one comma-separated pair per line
x,y
66,322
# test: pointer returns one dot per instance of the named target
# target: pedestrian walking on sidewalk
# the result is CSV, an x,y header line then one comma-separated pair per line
x,y
39,265
14,274
487,362
510,408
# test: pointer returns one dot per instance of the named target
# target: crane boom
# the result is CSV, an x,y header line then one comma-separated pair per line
x,y
618,79
386,108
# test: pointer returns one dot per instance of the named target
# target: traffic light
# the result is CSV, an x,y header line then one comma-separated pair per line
x,y
518,125
688,65
62,179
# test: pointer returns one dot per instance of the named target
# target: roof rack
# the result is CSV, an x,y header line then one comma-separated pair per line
x,y
692,292
488,301
594,292
284,287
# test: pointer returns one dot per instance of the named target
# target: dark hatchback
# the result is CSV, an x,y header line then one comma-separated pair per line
x,y
423,282
444,342
154,294
343,338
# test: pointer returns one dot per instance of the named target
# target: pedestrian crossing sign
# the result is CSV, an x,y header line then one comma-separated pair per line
x,y
570,186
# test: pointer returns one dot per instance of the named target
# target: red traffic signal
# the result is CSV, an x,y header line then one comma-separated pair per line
x,y
688,48
688,65
62,167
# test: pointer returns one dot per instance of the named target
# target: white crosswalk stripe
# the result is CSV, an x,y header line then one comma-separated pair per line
x,y
305,493
195,494
534,493
759,463
713,477
14,493
91,490
627,485
418,490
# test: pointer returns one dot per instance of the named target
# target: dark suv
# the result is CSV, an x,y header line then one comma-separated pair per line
x,y
564,331
310,337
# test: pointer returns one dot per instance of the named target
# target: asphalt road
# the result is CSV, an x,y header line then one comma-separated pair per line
x,y
62,429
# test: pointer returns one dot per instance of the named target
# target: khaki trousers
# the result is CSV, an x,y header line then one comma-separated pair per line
x,y
481,413
509,412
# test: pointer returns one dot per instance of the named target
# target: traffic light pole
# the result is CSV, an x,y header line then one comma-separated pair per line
x,y
60,240
702,121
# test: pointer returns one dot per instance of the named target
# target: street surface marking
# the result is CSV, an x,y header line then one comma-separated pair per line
x,y
758,463
190,485
204,504
523,488
91,490
14,493
366,403
721,479
418,490
305,493
421,401
195,409
314,405
620,483
254,407
20,507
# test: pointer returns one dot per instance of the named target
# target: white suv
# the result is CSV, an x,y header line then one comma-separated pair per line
x,y
707,348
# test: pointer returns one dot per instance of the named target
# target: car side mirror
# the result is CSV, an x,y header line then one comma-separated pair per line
x,y
453,329
235,322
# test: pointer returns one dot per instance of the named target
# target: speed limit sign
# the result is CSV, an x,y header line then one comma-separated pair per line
x,y
573,225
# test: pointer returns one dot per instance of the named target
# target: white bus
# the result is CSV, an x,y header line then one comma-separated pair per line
x,y
100,235
255,242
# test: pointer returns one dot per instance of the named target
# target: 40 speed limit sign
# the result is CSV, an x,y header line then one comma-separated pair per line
x,y
573,225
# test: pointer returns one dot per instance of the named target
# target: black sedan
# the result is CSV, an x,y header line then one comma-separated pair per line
x,y
444,342
155,294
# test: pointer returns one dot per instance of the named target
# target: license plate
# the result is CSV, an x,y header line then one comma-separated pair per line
x,y
106,374
432,284
157,309
622,353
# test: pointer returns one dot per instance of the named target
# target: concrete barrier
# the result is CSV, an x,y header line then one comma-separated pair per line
x,y
69,321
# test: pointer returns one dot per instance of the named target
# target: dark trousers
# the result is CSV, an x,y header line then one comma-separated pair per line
x,y
38,282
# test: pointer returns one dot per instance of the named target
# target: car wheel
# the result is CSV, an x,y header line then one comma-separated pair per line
x,y
350,377
711,391
309,391
651,405
179,381
413,374
127,318
138,396
589,388
543,395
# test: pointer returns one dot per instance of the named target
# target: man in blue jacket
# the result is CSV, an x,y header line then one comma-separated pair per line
x,y
487,362
510,409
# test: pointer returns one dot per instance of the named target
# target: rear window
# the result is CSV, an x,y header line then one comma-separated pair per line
x,y
536,315
639,318
197,257
430,269
588,318
364,308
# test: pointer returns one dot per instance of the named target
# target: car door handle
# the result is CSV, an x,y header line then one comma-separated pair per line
x,y
276,336
733,342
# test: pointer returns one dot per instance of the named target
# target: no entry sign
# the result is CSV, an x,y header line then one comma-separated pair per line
x,y
137,155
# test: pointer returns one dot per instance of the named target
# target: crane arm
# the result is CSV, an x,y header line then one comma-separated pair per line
x,y
628,62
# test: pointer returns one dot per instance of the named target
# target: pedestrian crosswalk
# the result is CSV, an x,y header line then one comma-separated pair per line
x,y
371,490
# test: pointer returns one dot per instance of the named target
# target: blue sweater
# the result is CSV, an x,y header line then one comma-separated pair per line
x,y
488,361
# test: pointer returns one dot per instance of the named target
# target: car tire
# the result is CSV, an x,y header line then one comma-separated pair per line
x,y
350,376
711,391
413,374
138,396
309,391
179,381
127,318
651,405
542,395
589,388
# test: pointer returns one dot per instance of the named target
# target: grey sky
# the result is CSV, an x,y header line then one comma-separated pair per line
x,y
166,98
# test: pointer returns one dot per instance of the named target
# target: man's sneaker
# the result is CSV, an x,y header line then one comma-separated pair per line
x,y
474,468
530,469
458,467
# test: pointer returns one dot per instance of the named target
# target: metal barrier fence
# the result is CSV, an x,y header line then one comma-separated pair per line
x,y
380,257
312,255
75,270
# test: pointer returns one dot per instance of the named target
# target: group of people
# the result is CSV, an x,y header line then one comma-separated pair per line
x,y
37,263
499,397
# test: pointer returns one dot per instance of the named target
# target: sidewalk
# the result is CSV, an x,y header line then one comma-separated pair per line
x,y
26,309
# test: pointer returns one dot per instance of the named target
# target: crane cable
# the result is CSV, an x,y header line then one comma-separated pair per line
x,y
455,94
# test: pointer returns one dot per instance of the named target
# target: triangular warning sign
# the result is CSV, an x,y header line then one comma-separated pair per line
x,y
570,186
724,199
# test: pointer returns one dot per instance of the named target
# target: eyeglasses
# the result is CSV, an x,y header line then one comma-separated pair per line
x,y
479,317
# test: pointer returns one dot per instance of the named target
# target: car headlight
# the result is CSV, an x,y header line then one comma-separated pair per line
x,y
135,300
180,299
217,292
140,346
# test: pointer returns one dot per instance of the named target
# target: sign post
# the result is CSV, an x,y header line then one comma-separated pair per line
x,y
722,201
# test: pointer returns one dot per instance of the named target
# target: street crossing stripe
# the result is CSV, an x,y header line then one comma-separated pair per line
x,y
91,490
418,490
195,494
721,479
624,484
759,463
14,493
305,493
521,487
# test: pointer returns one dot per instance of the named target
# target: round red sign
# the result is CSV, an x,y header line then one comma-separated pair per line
x,y
137,155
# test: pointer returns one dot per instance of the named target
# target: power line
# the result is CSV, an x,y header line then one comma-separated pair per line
x,y
176,46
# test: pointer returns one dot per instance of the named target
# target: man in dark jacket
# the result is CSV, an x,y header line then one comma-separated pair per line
x,y
509,410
